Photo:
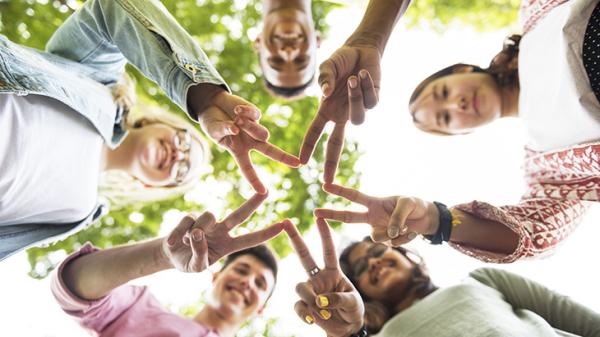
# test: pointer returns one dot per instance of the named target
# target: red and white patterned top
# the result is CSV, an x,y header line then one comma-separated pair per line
x,y
560,184
532,11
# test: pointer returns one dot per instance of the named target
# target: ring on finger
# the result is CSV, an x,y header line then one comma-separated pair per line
x,y
314,271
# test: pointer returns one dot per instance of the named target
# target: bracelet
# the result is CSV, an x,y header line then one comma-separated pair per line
x,y
446,222
360,333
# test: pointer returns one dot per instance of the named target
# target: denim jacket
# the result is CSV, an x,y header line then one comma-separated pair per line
x,y
86,54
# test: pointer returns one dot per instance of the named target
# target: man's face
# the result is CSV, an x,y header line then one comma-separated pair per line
x,y
287,48
243,287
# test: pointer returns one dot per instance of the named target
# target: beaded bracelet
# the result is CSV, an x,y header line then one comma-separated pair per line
x,y
360,333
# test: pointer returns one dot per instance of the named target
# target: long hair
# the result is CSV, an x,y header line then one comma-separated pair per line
x,y
376,312
122,189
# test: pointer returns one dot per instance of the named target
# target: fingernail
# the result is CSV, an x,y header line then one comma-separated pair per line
x,y
238,109
325,314
403,230
393,232
309,319
240,121
323,301
352,82
412,235
325,87
197,235
362,74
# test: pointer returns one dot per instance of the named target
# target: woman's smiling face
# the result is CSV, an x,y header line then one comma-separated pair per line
x,y
164,155
457,103
380,272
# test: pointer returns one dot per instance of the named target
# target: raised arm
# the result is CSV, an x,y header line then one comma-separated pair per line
x,y
192,246
560,311
350,80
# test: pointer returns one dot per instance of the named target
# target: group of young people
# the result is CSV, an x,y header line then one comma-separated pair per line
x,y
70,128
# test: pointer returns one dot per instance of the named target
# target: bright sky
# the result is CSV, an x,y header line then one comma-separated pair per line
x,y
397,160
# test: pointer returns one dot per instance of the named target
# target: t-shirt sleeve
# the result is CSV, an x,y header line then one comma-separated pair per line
x,y
93,315
559,311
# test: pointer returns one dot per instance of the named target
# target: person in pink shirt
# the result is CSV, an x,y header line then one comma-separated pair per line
x,y
90,285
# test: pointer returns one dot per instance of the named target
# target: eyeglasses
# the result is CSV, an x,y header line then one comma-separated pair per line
x,y
362,264
182,166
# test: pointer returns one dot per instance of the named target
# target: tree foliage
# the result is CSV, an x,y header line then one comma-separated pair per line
x,y
222,28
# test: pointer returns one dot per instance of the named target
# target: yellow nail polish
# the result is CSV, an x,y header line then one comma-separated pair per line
x,y
323,301
325,314
309,319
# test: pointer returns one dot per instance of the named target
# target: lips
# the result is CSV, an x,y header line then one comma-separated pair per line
x,y
239,293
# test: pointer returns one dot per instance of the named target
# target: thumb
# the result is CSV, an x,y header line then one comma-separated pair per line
x,y
199,247
327,77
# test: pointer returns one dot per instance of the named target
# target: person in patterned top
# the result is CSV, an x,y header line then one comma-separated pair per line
x,y
561,112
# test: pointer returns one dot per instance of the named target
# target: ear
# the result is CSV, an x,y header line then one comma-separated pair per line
x,y
262,308
318,37
215,276
462,69
256,43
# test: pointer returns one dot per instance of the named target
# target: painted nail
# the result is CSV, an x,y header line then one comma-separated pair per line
x,y
323,301
412,235
393,232
352,82
309,319
362,74
325,314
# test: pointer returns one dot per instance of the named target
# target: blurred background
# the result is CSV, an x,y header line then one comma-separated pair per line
x,y
384,156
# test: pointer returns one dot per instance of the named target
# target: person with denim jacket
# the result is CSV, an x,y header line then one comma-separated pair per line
x,y
86,56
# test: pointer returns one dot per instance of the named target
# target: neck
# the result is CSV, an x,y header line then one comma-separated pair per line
x,y
510,101
275,5
215,320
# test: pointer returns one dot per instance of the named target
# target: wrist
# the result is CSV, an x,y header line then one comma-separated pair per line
x,y
201,96
160,257
367,39
433,216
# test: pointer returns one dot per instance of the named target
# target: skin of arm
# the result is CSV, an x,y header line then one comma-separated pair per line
x,y
483,234
87,278
558,310
377,23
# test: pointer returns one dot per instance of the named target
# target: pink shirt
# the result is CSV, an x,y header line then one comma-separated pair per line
x,y
126,311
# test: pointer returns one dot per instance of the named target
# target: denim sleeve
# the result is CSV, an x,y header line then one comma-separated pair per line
x,y
106,34
558,310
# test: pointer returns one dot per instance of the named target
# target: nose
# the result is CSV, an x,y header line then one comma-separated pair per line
x,y
289,52
458,103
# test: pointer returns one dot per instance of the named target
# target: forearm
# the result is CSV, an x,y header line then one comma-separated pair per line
x,y
378,22
94,275
484,234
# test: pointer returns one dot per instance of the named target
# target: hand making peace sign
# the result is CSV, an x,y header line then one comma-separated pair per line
x,y
327,298
395,218
196,243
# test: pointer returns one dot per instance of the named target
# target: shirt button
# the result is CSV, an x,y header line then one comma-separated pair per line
x,y
190,68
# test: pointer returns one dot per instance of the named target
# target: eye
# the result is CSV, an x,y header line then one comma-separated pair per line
x,y
241,271
360,267
445,91
261,284
446,118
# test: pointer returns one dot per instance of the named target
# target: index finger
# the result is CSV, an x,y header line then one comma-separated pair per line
x,y
277,154
244,211
248,171
300,247
329,255
312,137
335,145
348,193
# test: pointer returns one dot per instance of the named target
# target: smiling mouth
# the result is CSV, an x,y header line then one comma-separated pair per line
x,y
235,290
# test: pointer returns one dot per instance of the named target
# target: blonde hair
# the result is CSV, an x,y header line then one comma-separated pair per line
x,y
119,187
